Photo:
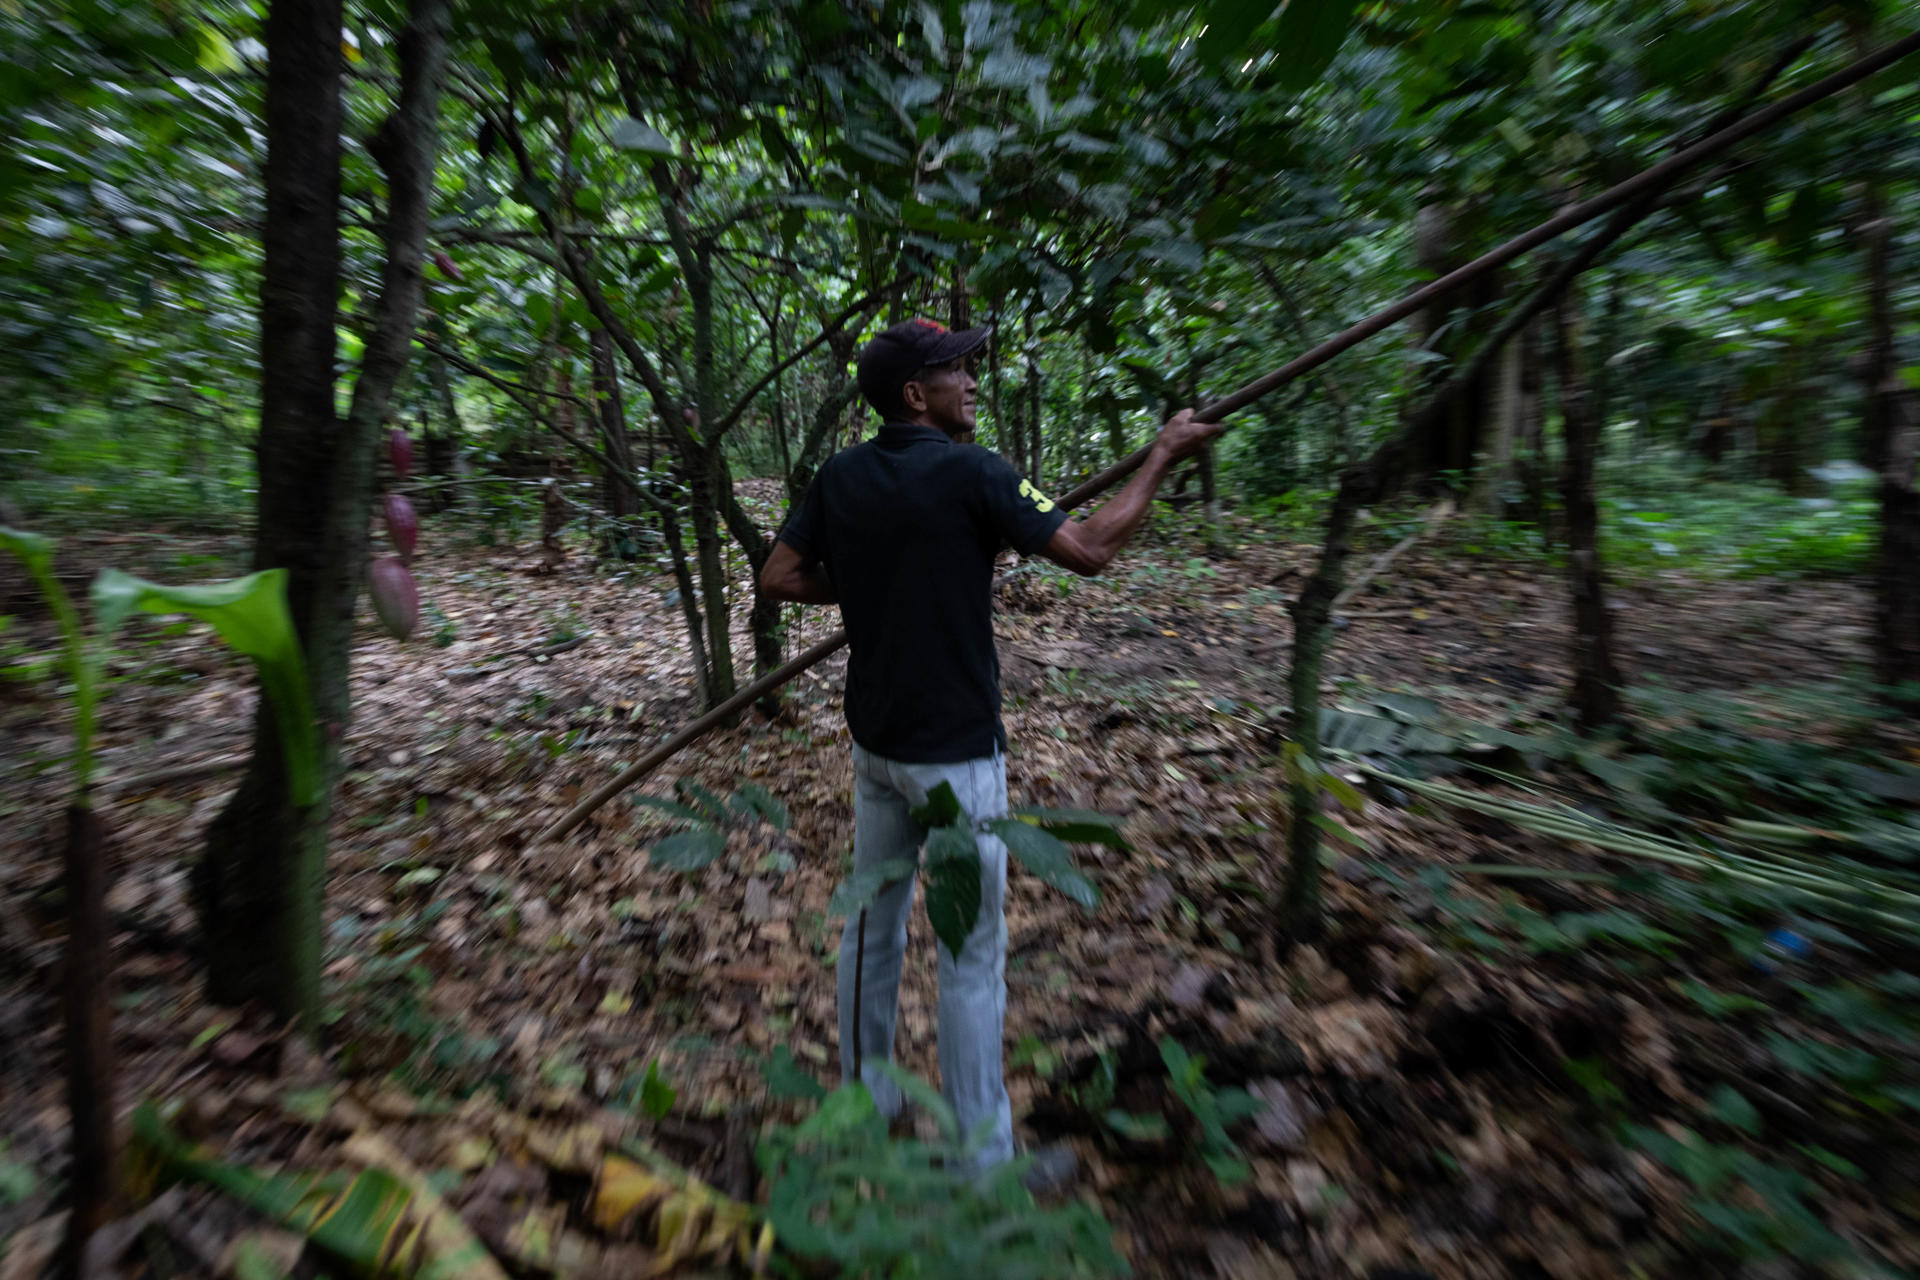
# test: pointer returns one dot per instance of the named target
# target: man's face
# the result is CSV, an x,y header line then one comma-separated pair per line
x,y
944,396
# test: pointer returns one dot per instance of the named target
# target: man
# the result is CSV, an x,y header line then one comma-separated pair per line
x,y
901,532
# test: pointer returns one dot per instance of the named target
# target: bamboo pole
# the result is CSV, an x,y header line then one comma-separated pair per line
x,y
1648,180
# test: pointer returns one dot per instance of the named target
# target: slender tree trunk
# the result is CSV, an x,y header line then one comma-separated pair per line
x,y
1007,445
260,885
258,888
1531,429
1489,486
621,502
442,440
1891,426
93,1178
1036,459
1596,680
709,549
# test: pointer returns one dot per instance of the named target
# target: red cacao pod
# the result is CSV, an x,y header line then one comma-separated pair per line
x,y
403,526
396,601
445,263
400,449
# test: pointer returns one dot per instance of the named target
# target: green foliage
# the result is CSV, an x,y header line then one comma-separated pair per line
x,y
18,1180
1739,530
843,1193
656,1095
706,820
251,615
952,860
788,1081
1749,1208
1213,1110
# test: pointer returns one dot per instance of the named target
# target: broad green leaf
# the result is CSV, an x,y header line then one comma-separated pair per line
x,y
1728,1105
363,1220
35,551
1308,36
685,812
755,800
1077,826
919,1091
1230,24
630,134
1138,1128
688,850
866,884
656,1095
847,1110
941,807
1046,858
702,799
953,899
947,843
788,1081
251,615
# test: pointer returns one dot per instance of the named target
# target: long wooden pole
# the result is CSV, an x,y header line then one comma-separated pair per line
x,y
1652,179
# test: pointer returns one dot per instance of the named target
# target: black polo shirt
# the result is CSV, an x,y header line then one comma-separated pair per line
x,y
907,525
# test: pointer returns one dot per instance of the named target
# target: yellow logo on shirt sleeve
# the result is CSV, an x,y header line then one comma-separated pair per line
x,y
1040,500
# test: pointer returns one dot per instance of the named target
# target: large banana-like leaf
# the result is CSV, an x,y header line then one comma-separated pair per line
x,y
690,1219
251,615
383,1220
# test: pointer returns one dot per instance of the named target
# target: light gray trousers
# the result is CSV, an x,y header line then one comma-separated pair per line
x,y
973,984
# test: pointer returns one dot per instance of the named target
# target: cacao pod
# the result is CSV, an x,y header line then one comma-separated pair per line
x,y
403,526
400,449
445,263
396,601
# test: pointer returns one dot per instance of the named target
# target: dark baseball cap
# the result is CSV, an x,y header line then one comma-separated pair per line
x,y
890,360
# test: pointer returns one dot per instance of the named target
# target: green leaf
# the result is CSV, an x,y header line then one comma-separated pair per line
x,y
17,1179
788,1081
358,1219
1230,24
940,809
1727,1105
630,134
944,844
1046,858
702,799
866,884
953,898
688,850
1139,1128
1077,826
925,1095
35,551
251,615
685,812
1343,791
847,1110
656,1095
755,800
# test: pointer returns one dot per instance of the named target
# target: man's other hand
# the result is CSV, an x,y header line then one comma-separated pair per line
x,y
1182,437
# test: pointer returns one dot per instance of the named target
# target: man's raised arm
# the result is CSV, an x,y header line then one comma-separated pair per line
x,y
788,577
1088,546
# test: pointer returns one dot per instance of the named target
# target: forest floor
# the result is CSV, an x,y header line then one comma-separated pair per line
x,y
1433,1108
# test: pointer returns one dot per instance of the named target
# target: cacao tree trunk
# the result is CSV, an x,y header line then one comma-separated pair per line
x,y
1596,680
1036,458
1891,429
621,502
93,1178
259,887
